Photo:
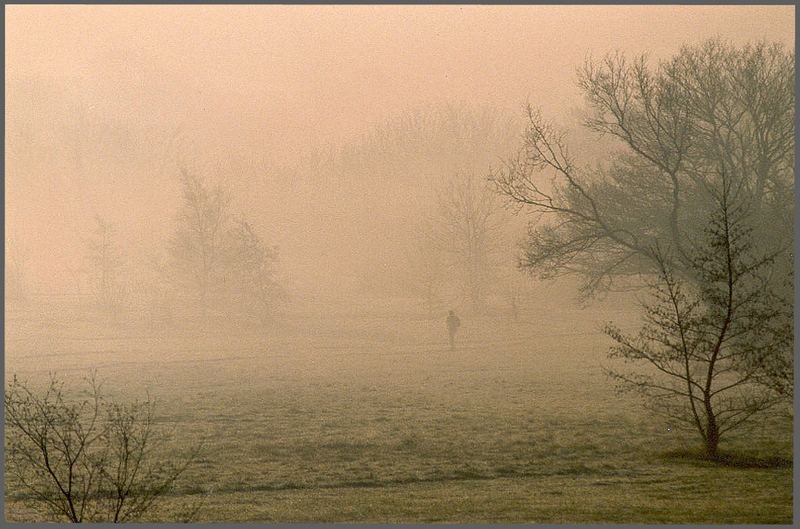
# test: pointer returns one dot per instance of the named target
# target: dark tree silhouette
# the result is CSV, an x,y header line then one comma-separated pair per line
x,y
86,459
712,110
703,344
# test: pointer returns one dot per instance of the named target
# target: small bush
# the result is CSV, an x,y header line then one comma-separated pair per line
x,y
85,459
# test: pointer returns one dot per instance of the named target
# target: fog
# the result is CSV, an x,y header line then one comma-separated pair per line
x,y
388,263
103,112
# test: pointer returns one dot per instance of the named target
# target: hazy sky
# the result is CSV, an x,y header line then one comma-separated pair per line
x,y
332,70
263,81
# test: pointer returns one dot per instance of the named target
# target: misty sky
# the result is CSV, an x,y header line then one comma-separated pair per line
x,y
259,84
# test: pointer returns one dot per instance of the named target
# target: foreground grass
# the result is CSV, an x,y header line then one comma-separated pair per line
x,y
554,499
373,419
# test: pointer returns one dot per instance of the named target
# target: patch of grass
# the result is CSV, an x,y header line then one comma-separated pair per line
x,y
741,460
408,443
748,461
504,431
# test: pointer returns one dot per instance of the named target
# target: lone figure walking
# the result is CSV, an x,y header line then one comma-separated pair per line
x,y
453,323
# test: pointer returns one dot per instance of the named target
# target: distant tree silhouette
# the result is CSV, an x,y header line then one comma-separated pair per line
x,y
250,271
217,258
196,248
467,228
105,260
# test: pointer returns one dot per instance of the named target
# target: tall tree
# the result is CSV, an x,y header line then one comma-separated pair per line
x,y
196,248
466,226
712,110
703,343
218,259
16,263
105,260
371,185
426,273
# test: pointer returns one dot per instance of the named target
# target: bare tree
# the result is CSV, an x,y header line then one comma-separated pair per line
x,y
86,459
196,248
466,227
105,260
426,272
704,342
157,288
384,175
218,258
250,271
712,109
16,264
514,290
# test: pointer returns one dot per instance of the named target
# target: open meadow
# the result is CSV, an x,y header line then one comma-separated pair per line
x,y
362,413
400,263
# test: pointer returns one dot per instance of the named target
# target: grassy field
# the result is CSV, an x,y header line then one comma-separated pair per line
x,y
364,414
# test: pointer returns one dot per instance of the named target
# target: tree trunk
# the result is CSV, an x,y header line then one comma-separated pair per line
x,y
712,433
712,444
476,292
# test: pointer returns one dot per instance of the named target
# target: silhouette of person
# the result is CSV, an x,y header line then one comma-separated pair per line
x,y
453,323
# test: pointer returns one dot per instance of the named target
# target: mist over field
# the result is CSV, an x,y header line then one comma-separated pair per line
x,y
391,263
